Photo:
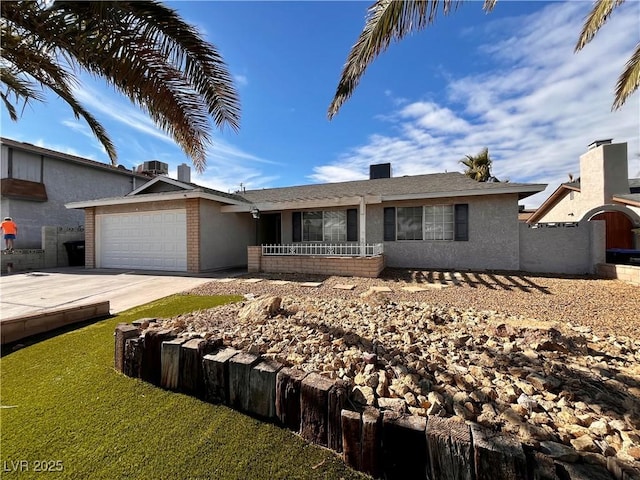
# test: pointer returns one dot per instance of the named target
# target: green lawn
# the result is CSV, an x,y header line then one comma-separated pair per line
x,y
62,401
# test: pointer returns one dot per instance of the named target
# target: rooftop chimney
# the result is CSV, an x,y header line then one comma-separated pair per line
x,y
597,143
381,170
603,172
184,173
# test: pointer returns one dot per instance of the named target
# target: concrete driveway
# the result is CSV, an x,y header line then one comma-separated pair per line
x,y
36,292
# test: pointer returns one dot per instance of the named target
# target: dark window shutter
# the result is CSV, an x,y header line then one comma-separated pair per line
x,y
352,225
389,224
462,222
296,218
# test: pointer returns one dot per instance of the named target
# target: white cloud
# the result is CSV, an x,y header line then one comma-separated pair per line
x,y
241,80
537,109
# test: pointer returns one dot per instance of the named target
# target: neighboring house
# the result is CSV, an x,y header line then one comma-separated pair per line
x,y
602,192
441,220
38,182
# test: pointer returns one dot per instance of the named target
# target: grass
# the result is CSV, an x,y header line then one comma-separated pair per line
x,y
63,401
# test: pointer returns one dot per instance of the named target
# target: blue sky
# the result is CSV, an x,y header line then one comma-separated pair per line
x,y
508,80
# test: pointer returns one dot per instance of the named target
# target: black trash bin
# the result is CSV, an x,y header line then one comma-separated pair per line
x,y
75,252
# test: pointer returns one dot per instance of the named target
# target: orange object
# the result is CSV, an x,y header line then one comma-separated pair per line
x,y
9,227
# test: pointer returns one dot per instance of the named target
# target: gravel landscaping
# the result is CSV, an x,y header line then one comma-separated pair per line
x,y
553,361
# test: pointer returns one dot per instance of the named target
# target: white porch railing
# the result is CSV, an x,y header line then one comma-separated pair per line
x,y
339,249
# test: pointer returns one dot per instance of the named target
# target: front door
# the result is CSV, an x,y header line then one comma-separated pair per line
x,y
619,234
270,229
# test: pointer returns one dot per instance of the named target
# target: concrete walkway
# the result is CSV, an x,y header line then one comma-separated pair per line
x,y
36,292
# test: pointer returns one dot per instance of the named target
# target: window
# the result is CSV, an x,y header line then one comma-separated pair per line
x,y
324,226
312,226
431,222
438,222
409,221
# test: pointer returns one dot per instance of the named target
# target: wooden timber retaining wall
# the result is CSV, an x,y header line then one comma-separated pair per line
x,y
382,443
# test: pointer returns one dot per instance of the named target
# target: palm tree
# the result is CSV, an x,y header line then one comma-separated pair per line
x,y
142,48
389,20
479,166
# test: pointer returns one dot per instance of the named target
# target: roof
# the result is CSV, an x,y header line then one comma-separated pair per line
x,y
628,199
419,186
436,185
28,147
564,188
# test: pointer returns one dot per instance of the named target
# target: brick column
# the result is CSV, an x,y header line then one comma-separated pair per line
x,y
254,255
193,235
90,237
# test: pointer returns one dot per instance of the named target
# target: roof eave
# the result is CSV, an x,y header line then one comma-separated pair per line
x,y
152,197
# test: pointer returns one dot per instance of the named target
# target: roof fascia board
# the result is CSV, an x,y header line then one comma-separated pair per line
x,y
626,201
159,197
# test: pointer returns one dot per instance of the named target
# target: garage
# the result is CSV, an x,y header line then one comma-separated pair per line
x,y
153,240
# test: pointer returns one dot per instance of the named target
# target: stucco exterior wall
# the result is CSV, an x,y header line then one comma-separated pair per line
x,y
572,203
603,172
65,182
224,237
492,245
566,250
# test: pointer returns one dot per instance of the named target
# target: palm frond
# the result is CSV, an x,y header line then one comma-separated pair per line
x,y
11,110
629,80
597,17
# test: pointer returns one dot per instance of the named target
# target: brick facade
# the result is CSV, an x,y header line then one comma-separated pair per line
x,y
90,237
625,273
318,265
193,235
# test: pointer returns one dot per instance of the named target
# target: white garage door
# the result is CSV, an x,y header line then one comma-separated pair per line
x,y
143,241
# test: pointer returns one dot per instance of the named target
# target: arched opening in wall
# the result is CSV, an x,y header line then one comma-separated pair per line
x,y
618,228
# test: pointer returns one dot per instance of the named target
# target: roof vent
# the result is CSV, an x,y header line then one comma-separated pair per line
x,y
381,170
597,143
153,167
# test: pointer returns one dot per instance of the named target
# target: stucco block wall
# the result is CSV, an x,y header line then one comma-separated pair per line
x,y
493,237
53,240
224,237
625,273
65,182
574,250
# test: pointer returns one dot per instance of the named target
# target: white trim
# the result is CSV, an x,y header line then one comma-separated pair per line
x,y
156,197
296,205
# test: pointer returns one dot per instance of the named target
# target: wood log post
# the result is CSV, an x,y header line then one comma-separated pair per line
x,y
262,389
404,446
123,332
133,348
450,448
239,374
338,397
170,363
314,405
352,439
152,358
191,377
497,456
371,441
288,385
541,466
216,375
580,471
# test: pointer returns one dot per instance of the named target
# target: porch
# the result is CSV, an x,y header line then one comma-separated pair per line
x,y
347,260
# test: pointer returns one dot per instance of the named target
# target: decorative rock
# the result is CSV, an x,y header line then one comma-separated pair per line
x,y
260,308
584,444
